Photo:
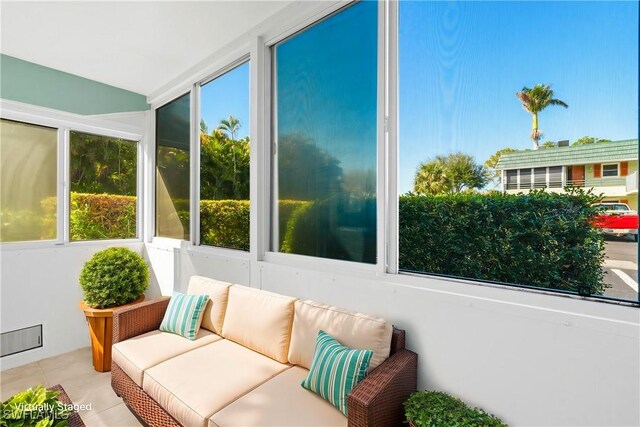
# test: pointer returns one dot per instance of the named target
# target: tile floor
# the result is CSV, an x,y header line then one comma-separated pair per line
x,y
82,383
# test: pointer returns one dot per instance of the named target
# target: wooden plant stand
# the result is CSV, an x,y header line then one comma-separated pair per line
x,y
101,332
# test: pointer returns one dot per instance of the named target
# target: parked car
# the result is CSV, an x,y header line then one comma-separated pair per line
x,y
617,219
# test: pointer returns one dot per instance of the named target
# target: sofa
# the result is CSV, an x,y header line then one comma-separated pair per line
x,y
249,357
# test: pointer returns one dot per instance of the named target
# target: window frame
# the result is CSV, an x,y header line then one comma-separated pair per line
x,y
66,122
616,164
384,231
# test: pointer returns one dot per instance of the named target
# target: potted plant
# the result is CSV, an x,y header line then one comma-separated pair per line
x,y
37,407
438,409
111,279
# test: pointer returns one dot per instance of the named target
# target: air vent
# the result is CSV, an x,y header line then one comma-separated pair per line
x,y
20,340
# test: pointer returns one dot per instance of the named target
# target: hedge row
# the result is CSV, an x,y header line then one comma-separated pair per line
x,y
539,239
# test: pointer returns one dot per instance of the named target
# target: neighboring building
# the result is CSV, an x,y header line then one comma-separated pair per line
x,y
610,168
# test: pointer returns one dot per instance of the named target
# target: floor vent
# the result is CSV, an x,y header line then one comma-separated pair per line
x,y
20,340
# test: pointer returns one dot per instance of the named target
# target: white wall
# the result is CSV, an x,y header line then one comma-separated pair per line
x,y
40,286
531,358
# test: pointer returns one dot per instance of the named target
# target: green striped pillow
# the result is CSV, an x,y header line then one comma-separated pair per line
x,y
336,370
184,314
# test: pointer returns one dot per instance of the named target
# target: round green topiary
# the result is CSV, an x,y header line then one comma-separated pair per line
x,y
113,277
438,409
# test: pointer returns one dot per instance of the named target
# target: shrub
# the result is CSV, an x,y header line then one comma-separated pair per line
x,y
538,239
325,228
112,277
438,409
37,407
225,223
102,216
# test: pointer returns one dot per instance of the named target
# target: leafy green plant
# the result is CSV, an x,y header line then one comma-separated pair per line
x,y
112,277
438,409
37,407
538,239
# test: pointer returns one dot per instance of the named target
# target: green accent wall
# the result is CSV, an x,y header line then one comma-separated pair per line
x,y
37,85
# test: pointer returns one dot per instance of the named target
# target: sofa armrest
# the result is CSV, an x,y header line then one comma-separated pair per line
x,y
378,400
138,319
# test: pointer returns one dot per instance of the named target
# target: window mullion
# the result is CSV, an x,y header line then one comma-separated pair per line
x,y
64,192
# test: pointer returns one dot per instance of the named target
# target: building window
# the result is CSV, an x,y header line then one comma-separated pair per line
x,y
512,179
28,181
555,177
172,168
224,160
525,179
103,178
610,169
540,177
325,161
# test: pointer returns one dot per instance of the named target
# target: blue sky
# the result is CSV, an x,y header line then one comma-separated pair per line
x,y
462,63
460,67
227,95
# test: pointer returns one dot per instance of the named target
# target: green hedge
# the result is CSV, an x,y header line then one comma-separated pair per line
x,y
225,223
102,216
539,239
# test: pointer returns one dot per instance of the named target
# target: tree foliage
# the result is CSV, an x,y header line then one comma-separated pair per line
x,y
586,140
534,100
103,165
449,174
491,163
224,167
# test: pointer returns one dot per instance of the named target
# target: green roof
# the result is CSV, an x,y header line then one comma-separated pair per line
x,y
614,151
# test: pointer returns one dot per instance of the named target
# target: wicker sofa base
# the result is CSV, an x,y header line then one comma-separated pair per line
x,y
144,407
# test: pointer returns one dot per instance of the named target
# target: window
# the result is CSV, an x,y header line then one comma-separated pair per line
x,y
610,169
540,177
29,181
324,175
555,177
103,184
172,168
224,160
459,66
525,179
512,179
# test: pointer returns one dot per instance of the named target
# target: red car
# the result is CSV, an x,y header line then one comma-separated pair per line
x,y
617,219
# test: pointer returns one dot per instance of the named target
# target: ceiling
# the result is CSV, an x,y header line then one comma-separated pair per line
x,y
138,46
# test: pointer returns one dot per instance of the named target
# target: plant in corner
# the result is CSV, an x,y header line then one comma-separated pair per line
x,y
438,409
111,279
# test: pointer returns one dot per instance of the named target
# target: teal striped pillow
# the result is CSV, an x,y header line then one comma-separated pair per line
x,y
184,314
336,370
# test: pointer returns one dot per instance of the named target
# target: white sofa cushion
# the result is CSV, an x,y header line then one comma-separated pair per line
x,y
280,402
144,351
197,384
259,320
351,329
218,292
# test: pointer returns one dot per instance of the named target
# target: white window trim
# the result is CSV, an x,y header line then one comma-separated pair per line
x,y
66,122
616,164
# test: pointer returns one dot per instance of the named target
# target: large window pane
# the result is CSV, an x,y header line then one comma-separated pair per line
x,y
224,160
325,131
103,180
508,141
172,168
28,175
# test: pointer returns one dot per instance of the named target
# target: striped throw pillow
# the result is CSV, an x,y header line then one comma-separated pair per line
x,y
336,370
184,314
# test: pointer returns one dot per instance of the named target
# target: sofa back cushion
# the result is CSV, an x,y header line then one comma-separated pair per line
x,y
260,321
351,329
218,292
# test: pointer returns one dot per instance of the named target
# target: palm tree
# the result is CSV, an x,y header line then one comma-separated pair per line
x,y
535,100
230,127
